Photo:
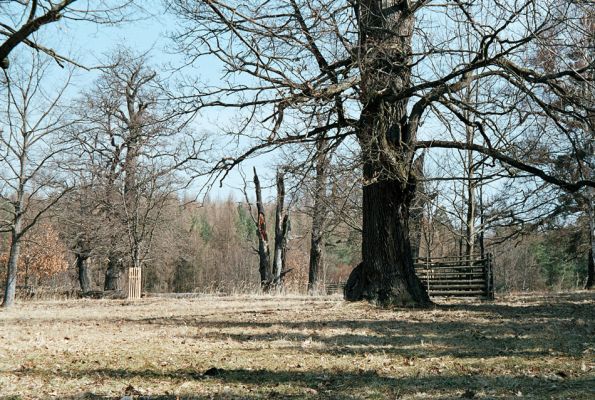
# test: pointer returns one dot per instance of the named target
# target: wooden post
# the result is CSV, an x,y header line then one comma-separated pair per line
x,y
134,283
490,277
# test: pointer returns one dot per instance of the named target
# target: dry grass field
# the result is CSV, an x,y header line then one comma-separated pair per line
x,y
538,346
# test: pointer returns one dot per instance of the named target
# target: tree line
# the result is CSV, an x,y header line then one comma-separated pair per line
x,y
394,120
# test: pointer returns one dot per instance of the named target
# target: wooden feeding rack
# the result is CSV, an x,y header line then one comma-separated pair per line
x,y
334,287
457,276
134,283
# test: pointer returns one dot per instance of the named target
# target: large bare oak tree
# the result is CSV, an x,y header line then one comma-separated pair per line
x,y
387,72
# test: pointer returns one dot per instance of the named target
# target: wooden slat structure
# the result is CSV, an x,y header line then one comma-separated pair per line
x,y
449,277
134,283
457,276
334,287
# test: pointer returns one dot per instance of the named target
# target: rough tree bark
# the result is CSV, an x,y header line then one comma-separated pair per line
x,y
386,274
590,270
591,260
316,256
11,270
82,267
112,273
264,265
416,214
281,226
271,274
114,257
318,220
82,252
286,229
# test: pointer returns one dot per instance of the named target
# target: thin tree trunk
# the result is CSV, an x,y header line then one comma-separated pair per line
x,y
588,171
280,241
286,229
16,236
11,270
26,273
318,220
17,228
263,241
481,221
470,218
591,261
417,210
417,221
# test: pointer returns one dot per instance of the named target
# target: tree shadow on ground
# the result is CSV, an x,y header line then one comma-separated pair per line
x,y
527,331
486,331
340,385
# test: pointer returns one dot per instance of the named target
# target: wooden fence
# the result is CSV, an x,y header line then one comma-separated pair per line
x,y
449,276
457,276
334,287
134,283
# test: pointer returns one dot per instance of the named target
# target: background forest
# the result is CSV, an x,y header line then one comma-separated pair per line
x,y
212,248
488,145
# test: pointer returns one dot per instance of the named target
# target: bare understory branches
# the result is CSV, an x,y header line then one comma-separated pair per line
x,y
23,19
285,62
515,162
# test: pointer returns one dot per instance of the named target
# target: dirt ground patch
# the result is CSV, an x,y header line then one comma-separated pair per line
x,y
533,346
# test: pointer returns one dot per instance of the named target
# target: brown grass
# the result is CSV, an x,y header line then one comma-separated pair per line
x,y
536,347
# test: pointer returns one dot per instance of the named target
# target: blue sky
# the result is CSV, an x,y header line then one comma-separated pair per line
x,y
90,45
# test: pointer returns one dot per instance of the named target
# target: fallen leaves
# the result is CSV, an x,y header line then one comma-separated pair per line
x,y
331,349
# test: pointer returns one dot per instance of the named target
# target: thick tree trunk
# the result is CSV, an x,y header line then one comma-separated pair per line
x,y
386,275
82,267
112,274
386,133
11,272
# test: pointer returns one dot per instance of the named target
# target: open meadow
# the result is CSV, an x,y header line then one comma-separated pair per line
x,y
534,346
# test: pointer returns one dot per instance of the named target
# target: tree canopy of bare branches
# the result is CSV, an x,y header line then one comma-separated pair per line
x,y
389,73
31,142
22,19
